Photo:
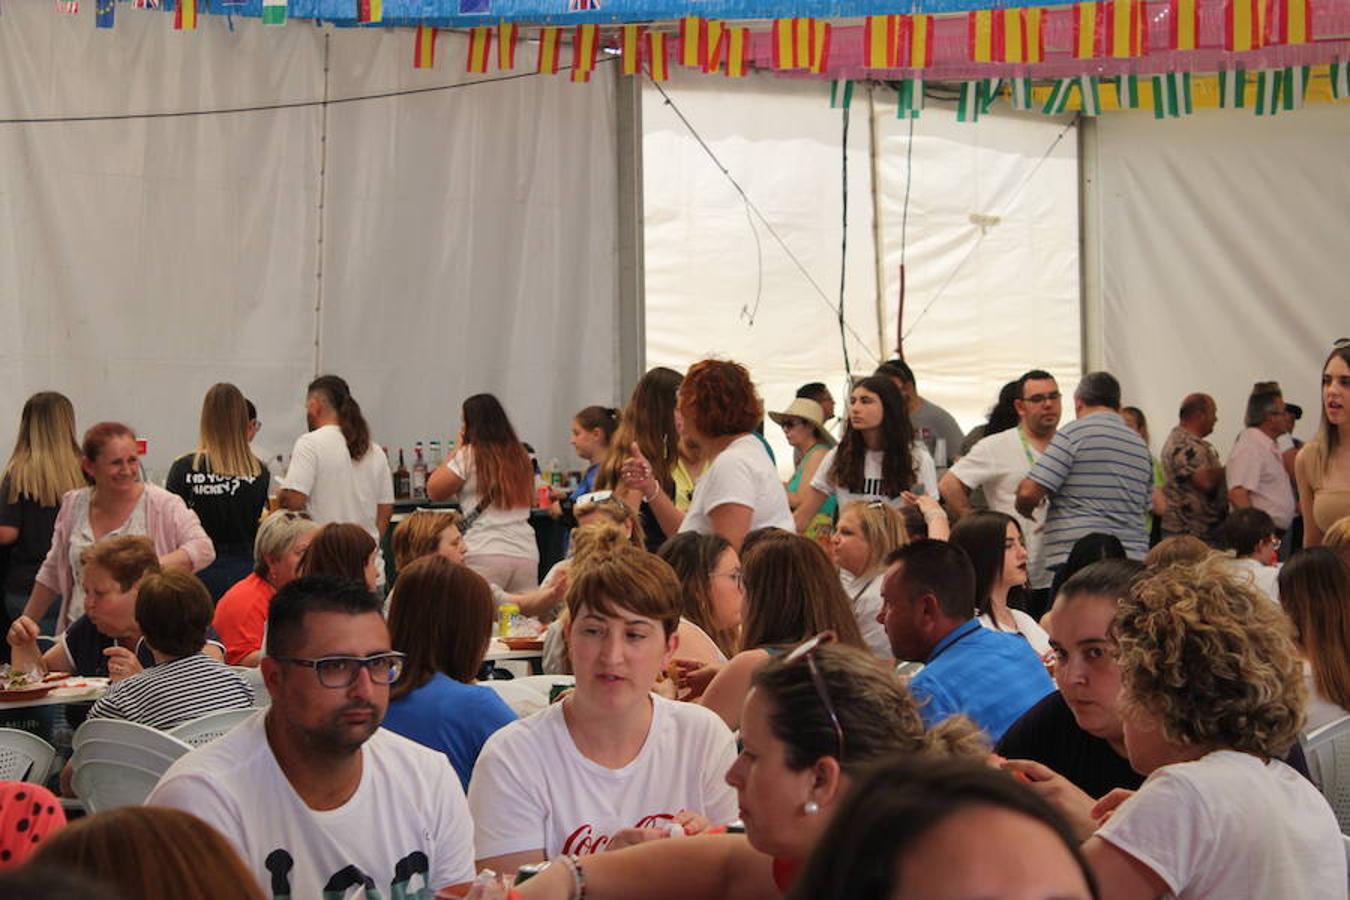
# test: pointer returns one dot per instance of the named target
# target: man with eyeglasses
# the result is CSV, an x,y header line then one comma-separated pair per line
x,y
928,610
319,800
998,464
1193,473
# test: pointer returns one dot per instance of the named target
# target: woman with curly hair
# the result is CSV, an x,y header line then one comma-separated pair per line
x,y
1212,697
739,490
878,458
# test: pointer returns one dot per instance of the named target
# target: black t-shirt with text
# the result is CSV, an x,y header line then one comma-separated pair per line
x,y
229,506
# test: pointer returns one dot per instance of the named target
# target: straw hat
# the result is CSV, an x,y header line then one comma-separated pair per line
x,y
807,411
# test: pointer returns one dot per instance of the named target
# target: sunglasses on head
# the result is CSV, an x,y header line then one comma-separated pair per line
x,y
804,651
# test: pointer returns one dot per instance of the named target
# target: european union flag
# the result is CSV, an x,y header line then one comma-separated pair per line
x,y
103,13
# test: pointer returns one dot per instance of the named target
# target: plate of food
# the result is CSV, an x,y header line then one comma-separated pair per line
x,y
29,685
527,642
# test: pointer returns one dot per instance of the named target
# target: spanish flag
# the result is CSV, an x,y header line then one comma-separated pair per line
x,y
1243,25
715,42
548,50
369,11
693,42
1033,21
1291,23
185,16
881,42
480,50
819,45
1183,24
984,35
506,45
785,45
424,48
630,45
1125,29
1086,30
738,51
657,64
916,41
585,43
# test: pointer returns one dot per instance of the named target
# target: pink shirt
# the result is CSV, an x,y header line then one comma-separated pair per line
x,y
1256,464
169,525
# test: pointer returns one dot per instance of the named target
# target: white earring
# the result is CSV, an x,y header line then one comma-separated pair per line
x,y
811,807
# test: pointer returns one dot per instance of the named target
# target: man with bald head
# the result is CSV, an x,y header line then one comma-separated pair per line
x,y
1194,484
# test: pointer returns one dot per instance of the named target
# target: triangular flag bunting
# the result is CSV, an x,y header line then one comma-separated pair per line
x,y
274,12
1233,88
506,45
424,47
909,99
841,94
480,50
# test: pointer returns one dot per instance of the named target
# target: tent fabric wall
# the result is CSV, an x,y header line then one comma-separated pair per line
x,y
998,301
467,234
1223,257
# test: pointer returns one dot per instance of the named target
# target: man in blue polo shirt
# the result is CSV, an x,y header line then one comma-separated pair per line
x,y
1096,473
929,613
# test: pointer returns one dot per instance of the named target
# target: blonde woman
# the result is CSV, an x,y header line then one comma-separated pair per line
x,y
44,466
225,485
866,534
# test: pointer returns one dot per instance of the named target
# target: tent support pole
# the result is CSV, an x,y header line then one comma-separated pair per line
x,y
323,189
1093,355
878,223
631,317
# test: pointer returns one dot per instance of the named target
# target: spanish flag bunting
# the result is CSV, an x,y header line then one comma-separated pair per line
x,y
1292,22
785,45
881,42
916,41
738,51
630,47
693,42
1125,29
185,16
1033,34
585,44
581,76
1243,25
1014,43
715,41
480,50
424,48
506,45
1086,29
820,45
548,50
369,11
804,31
1183,24
658,66
983,34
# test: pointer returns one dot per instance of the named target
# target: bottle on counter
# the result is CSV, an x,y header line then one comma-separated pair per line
x,y
434,458
402,480
419,473
555,472
276,468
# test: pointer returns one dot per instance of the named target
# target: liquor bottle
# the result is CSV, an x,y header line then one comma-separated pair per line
x,y
434,458
402,483
419,473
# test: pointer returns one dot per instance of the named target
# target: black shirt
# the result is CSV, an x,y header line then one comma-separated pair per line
x,y
85,645
1048,734
35,523
229,506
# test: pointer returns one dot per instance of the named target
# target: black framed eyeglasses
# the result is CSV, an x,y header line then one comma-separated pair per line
x,y
342,671
1038,399
804,652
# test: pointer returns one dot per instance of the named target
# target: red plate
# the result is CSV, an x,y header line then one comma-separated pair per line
x,y
523,643
41,689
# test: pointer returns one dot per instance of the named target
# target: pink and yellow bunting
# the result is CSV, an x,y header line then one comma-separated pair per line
x,y
424,47
480,50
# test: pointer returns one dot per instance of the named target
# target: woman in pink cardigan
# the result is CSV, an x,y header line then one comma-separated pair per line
x,y
119,503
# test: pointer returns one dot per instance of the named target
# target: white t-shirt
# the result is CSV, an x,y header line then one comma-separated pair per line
x,y
533,788
741,474
406,828
864,595
1229,825
1265,579
1028,627
500,532
925,477
998,464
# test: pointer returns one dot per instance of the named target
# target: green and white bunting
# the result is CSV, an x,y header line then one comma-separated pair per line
x,y
909,99
1021,93
968,110
1339,73
1233,88
989,90
1059,97
1294,87
1268,92
1172,95
1127,91
1088,95
841,94
274,12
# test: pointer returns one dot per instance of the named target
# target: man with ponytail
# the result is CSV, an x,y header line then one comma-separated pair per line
x,y
337,473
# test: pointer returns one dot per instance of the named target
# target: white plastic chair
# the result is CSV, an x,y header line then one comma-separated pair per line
x,y
117,763
1328,752
253,676
24,756
118,731
105,784
207,728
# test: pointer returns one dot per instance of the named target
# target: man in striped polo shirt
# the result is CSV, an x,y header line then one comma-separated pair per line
x,y
1096,474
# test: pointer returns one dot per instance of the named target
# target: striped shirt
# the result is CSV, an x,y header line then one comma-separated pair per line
x,y
1100,478
175,692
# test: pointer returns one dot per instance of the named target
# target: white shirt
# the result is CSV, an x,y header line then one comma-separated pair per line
x,y
1264,578
1027,627
742,474
500,532
1256,464
925,477
1229,825
533,788
998,464
864,595
406,828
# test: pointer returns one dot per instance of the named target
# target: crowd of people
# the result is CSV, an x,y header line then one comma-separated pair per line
x,y
1099,662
